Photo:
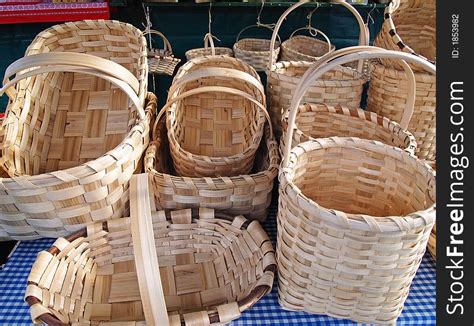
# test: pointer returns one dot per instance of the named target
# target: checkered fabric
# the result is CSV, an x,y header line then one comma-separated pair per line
x,y
420,307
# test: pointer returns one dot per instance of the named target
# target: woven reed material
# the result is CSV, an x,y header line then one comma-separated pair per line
x,y
201,52
304,48
249,195
353,223
71,141
161,61
341,86
214,133
255,52
411,28
212,269
387,97
321,121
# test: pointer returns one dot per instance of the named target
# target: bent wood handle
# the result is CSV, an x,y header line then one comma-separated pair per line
x,y
208,41
317,32
146,259
74,62
166,43
348,55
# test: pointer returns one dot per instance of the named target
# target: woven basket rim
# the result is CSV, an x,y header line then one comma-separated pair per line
x,y
205,50
350,220
287,43
220,182
278,71
356,113
84,170
240,46
379,67
248,301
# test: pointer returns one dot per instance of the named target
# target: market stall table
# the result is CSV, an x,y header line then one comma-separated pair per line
x,y
420,307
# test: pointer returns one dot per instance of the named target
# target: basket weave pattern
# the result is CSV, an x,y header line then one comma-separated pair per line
x,y
303,48
255,52
353,223
387,97
71,141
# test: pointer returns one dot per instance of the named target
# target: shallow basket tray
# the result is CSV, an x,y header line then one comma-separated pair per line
x,y
161,61
249,195
74,130
183,267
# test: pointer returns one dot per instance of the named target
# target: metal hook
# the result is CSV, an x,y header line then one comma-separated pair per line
x,y
310,14
369,15
210,18
260,13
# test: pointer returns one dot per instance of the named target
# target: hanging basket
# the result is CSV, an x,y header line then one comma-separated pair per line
x,y
255,51
249,195
215,130
411,28
341,86
75,129
161,61
387,97
354,219
305,48
159,267
209,49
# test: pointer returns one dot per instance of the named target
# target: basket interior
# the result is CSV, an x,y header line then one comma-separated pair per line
x,y
218,124
203,264
308,46
355,180
319,121
72,118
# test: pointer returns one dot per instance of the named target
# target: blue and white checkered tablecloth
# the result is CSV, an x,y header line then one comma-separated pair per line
x,y
420,307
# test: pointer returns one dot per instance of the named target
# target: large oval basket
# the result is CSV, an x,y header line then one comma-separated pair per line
x,y
181,267
75,128
215,118
354,217
249,195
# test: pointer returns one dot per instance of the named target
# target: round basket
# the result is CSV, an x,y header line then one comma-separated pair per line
x,y
215,130
321,121
161,61
354,219
411,29
342,86
208,49
159,267
75,128
255,51
305,48
249,195
387,97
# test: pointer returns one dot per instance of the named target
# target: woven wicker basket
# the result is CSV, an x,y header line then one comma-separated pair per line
x,y
208,49
305,48
342,86
71,138
387,96
354,219
176,268
249,195
411,28
161,61
255,51
215,130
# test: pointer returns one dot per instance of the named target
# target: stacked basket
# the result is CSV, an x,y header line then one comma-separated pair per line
x,y
354,214
215,118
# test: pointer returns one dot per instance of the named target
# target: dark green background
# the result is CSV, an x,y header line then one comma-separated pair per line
x,y
186,23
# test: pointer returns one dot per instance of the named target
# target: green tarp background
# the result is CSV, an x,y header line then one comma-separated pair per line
x,y
186,24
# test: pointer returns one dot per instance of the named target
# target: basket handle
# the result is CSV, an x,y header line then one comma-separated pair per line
x,y
363,34
146,259
217,72
256,26
166,42
208,89
316,33
74,62
208,40
331,61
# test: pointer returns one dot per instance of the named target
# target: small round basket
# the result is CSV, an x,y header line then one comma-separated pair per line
x,y
179,267
255,51
411,28
161,61
208,49
305,48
